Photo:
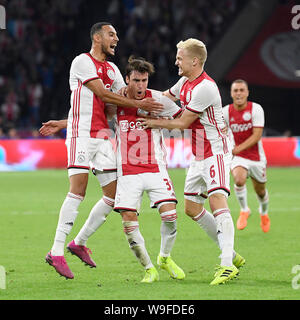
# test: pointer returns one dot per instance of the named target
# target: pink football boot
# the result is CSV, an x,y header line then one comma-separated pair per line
x,y
82,252
60,265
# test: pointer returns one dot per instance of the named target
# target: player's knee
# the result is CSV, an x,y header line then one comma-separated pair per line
x,y
78,184
239,181
129,216
218,200
188,211
261,192
78,190
109,190
192,209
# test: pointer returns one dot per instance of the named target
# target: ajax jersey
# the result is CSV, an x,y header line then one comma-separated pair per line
x,y
86,116
139,150
202,97
241,124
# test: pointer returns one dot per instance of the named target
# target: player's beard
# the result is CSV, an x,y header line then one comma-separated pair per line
x,y
106,52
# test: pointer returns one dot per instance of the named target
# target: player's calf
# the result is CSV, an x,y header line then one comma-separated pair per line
x,y
168,231
137,243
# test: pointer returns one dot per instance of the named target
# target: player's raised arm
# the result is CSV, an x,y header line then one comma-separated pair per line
x,y
183,122
169,95
52,126
148,104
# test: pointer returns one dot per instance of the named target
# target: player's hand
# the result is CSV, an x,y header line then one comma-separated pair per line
x,y
151,105
146,123
123,91
51,127
225,130
236,150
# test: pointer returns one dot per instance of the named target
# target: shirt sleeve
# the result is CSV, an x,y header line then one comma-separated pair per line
x,y
175,90
171,109
119,81
203,96
83,69
258,116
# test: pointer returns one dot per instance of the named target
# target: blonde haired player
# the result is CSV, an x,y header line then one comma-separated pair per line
x,y
246,120
210,169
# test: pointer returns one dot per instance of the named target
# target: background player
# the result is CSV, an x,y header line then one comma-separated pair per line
x,y
246,120
209,171
91,79
142,167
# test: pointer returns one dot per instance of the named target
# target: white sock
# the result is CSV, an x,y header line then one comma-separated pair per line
x,y
67,216
207,222
241,194
137,243
225,232
263,203
96,218
168,231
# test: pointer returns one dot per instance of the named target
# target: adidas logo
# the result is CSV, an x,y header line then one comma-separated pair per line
x,y
226,273
213,182
69,223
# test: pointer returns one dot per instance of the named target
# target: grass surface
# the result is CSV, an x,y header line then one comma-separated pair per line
x,y
29,207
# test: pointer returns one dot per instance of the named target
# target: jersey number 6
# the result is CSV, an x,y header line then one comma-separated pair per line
x,y
212,171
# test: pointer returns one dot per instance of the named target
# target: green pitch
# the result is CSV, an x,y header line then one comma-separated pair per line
x,y
29,206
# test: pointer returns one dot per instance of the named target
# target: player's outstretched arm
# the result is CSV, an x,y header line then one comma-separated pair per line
x,y
148,104
52,126
183,122
168,94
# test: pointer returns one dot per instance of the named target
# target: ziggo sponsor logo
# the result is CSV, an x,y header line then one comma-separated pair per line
x,y
235,127
126,125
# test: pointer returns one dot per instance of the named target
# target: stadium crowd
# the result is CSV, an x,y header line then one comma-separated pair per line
x,y
42,38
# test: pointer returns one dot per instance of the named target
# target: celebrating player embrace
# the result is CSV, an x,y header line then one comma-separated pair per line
x,y
92,80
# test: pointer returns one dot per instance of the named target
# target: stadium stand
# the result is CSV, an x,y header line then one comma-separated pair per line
x,y
42,38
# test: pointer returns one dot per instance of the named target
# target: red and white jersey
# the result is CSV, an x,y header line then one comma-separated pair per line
x,y
86,116
139,150
202,96
241,124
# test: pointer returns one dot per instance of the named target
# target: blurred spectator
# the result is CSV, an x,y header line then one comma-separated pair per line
x,y
35,93
2,134
10,110
43,37
12,133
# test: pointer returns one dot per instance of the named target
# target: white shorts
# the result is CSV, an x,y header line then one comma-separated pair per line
x,y
130,190
90,153
256,169
211,175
